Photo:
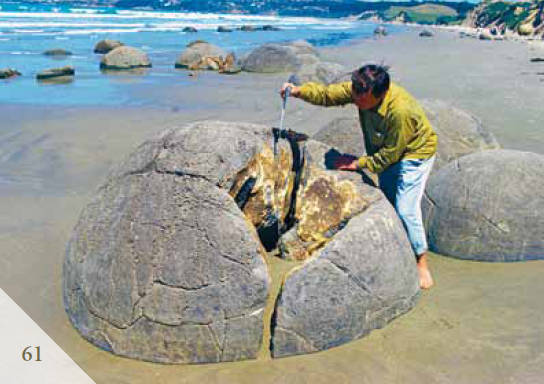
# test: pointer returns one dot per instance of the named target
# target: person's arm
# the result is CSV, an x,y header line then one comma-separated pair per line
x,y
325,95
396,140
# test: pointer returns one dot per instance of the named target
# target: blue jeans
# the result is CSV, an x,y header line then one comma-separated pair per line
x,y
403,184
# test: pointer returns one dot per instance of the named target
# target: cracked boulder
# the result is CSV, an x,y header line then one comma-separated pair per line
x,y
167,262
487,206
162,265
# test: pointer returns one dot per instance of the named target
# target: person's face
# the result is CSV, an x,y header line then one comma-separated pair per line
x,y
365,100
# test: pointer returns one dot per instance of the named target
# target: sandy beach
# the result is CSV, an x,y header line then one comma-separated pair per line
x,y
481,323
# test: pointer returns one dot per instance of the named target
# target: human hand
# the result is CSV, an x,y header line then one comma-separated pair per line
x,y
293,90
346,163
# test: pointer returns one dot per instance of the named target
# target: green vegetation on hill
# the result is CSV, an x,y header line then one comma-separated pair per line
x,y
427,13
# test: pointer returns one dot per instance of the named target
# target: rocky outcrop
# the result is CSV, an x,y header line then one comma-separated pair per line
x,y
167,262
190,29
6,73
459,133
58,52
515,18
65,73
197,53
487,206
104,46
125,58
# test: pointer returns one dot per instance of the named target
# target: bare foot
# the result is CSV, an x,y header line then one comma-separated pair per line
x,y
425,278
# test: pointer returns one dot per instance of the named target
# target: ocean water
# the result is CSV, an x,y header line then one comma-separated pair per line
x,y
28,30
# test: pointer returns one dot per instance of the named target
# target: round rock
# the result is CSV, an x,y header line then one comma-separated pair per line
x,y
488,206
104,46
166,264
344,134
197,51
459,132
162,265
323,72
124,58
270,58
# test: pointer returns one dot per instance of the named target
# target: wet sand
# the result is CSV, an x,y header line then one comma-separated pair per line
x,y
482,323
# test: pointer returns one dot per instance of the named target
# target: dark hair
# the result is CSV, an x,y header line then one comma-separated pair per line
x,y
371,76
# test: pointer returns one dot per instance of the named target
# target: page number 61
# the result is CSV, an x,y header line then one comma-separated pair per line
x,y
27,353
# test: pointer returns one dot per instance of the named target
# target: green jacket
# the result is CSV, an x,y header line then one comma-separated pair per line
x,y
397,130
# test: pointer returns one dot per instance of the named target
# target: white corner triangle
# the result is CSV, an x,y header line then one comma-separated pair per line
x,y
18,331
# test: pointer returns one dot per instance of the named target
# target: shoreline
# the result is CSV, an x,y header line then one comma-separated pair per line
x,y
482,321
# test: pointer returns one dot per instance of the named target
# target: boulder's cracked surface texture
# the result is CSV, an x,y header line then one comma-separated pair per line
x,y
167,262
487,206
163,265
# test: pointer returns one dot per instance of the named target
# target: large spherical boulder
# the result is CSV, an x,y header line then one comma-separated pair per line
x,y
162,265
167,262
197,52
488,206
344,134
104,46
283,57
459,132
124,58
270,58
323,72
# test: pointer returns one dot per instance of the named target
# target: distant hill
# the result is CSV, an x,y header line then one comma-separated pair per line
x,y
427,13
523,18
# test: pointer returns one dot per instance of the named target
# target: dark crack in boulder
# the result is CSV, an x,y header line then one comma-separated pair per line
x,y
163,266
487,206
